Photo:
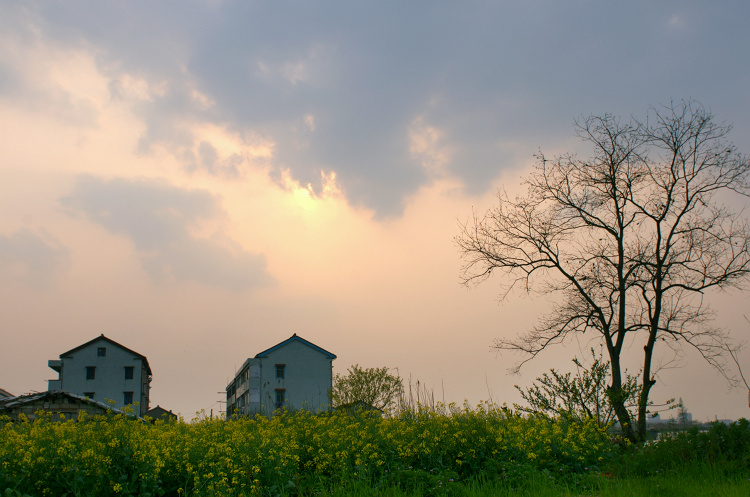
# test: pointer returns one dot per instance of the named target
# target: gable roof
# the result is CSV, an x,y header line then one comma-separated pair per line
x,y
159,412
295,338
4,394
112,342
21,400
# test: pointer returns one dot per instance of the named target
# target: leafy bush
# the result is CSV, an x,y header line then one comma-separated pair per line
x,y
727,446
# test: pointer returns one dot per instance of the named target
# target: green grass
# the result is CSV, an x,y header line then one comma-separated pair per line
x,y
694,480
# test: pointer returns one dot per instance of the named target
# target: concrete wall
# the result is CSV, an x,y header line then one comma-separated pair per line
x,y
308,377
307,382
243,393
109,382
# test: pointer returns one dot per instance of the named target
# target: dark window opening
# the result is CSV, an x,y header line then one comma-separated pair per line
x,y
90,372
102,352
128,372
90,395
128,398
280,371
280,394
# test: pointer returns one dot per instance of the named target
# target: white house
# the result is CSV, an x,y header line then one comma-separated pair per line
x,y
103,370
295,374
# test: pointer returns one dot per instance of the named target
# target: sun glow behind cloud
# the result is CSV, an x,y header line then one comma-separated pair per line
x,y
232,180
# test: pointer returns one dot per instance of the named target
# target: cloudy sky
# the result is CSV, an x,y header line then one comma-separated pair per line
x,y
198,180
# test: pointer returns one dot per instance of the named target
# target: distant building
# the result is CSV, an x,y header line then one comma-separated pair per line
x,y
159,412
102,370
654,420
684,417
63,405
294,374
4,394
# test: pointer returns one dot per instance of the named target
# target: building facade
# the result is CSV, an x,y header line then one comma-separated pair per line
x,y
104,370
294,374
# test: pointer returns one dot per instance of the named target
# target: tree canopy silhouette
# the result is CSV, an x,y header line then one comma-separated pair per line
x,y
629,239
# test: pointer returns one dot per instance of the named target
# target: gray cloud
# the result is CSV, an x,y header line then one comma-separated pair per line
x,y
34,258
158,218
500,79
208,160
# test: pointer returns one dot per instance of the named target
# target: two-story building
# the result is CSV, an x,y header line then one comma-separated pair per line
x,y
294,374
102,370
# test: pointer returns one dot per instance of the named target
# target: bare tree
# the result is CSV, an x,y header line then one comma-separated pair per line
x,y
629,240
734,353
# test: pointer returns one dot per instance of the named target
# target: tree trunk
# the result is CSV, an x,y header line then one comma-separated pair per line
x,y
647,382
617,399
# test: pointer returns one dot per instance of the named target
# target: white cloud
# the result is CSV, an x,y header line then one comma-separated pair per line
x,y
306,176
161,220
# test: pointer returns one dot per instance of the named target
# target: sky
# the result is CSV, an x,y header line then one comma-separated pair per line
x,y
199,180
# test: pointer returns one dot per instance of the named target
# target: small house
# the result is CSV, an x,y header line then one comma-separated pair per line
x,y
64,405
159,413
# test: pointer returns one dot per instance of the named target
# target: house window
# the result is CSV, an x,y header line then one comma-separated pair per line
x,y
280,371
90,395
101,352
127,398
90,372
280,394
128,372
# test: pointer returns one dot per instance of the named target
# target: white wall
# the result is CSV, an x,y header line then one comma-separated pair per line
x,y
109,382
307,382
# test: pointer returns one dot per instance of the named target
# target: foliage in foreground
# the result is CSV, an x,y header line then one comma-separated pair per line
x,y
719,444
290,453
577,397
374,387
481,451
585,394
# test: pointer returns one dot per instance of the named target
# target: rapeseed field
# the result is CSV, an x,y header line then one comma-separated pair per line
x,y
429,451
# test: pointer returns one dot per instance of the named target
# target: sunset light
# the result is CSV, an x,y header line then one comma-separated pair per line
x,y
200,181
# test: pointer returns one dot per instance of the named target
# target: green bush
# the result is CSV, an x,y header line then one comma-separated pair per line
x,y
726,446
